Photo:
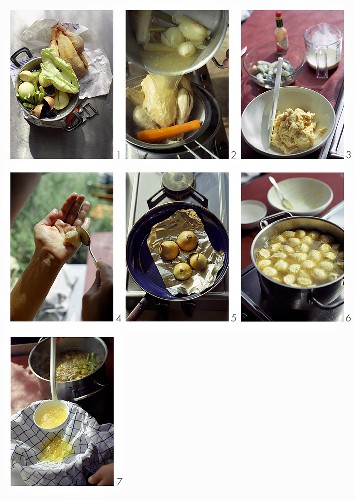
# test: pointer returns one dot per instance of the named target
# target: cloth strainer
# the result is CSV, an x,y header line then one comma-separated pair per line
x,y
92,447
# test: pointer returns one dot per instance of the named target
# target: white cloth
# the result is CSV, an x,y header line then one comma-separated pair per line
x,y
56,304
92,447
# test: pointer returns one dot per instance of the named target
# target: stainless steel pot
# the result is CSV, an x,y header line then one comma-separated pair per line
x,y
214,20
75,390
291,297
205,109
59,121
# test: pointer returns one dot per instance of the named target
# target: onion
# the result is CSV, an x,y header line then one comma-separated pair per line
x,y
172,37
191,30
25,90
37,110
186,49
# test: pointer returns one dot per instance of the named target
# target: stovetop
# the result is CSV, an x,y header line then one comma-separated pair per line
x,y
210,306
257,307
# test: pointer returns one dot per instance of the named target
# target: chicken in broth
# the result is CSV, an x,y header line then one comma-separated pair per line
x,y
301,258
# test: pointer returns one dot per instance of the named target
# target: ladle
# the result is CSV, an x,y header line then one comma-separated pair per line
x,y
275,97
286,203
86,240
47,406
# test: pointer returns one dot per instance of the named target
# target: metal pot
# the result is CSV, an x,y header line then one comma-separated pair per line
x,y
214,20
75,390
291,297
205,109
60,120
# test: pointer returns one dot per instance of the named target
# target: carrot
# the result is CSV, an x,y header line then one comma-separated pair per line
x,y
160,134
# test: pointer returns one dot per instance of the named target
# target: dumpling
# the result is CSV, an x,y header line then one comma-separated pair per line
x,y
264,253
314,235
315,255
300,256
326,265
288,249
308,264
303,248
278,239
300,233
325,248
278,255
294,242
270,272
289,279
289,234
330,255
304,281
281,266
275,247
294,268
264,263
72,238
307,240
319,274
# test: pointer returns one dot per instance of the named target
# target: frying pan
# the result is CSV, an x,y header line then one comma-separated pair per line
x,y
141,265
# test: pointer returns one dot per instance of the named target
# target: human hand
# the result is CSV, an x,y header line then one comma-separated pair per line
x,y
226,61
49,233
103,476
98,301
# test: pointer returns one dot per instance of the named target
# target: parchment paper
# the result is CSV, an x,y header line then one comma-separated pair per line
x,y
169,229
96,81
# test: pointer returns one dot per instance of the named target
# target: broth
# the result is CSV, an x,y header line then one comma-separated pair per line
x,y
301,258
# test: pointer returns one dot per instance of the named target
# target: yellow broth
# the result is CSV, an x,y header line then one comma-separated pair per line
x,y
301,258
56,450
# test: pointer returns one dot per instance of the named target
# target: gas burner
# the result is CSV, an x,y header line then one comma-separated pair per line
x,y
177,185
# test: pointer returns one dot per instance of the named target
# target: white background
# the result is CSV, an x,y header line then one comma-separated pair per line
x,y
224,411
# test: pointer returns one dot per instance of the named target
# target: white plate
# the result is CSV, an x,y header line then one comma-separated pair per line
x,y
256,116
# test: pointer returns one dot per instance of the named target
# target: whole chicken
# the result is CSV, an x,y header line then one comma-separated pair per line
x,y
69,47
161,101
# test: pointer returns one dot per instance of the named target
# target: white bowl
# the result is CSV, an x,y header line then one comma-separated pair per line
x,y
307,196
255,118
252,211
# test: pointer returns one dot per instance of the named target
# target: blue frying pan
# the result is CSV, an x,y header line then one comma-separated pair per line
x,y
141,265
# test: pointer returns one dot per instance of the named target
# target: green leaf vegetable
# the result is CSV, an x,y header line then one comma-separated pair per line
x,y
59,72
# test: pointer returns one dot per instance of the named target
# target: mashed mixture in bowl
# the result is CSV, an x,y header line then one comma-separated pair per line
x,y
294,130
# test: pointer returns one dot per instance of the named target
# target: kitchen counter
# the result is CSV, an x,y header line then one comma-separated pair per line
x,y
93,139
259,28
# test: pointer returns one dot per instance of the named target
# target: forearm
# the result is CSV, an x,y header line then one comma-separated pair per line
x,y
33,286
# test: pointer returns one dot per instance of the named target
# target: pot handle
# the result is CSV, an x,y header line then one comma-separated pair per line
x,y
265,220
101,387
17,53
328,307
73,121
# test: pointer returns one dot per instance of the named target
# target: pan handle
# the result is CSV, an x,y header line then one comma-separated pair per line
x,y
137,311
